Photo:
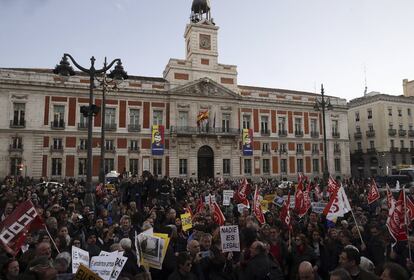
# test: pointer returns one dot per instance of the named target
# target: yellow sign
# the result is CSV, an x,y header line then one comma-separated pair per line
x,y
265,205
85,273
186,221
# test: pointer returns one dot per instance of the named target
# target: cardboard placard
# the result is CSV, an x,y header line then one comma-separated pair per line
x,y
230,240
186,221
84,272
227,196
79,257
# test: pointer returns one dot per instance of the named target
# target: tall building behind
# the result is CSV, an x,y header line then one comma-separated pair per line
x,y
195,121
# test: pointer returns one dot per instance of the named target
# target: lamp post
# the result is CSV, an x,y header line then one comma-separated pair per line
x,y
323,105
64,69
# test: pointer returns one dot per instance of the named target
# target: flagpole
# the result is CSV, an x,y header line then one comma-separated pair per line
x,y
406,223
51,239
357,226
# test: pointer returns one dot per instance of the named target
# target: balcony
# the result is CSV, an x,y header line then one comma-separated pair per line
x,y
315,134
56,148
134,150
110,126
58,125
411,133
134,127
298,133
393,150
17,123
336,134
211,131
370,133
110,150
404,150
392,132
358,151
283,152
299,152
371,151
337,151
265,152
82,126
16,148
358,135
282,133
82,148
265,132
315,152
402,132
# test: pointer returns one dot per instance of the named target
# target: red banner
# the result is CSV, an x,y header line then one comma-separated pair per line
x,y
257,208
218,215
241,193
333,186
14,228
373,194
285,213
396,219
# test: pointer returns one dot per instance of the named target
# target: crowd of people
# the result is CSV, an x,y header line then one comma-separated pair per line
x,y
356,246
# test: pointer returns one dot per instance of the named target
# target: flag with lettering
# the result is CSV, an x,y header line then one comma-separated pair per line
x,y
241,193
257,208
373,193
218,215
337,206
332,185
285,213
15,227
396,219
302,205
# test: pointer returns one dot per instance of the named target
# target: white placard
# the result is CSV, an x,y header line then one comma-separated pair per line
x,y
230,241
119,264
79,256
318,207
240,207
103,266
210,199
227,196
292,200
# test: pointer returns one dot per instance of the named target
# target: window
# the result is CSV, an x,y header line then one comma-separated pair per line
x,y
225,122
370,127
315,165
390,126
109,145
15,166
399,112
110,117
401,126
57,144
337,148
389,111
357,116
358,129
282,124
226,166
265,148
83,144
134,117
246,121
247,166
283,165
299,164
83,121
109,165
299,148
359,146
369,112
266,166
58,116
314,126
133,166
157,166
410,127
401,144
337,162
411,144
298,125
315,148
409,111
183,118
335,127
392,143
283,148
82,163
371,144
133,145
56,166
264,124
17,143
19,114
156,117
183,167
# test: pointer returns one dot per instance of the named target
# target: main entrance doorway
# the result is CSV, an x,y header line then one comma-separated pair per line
x,y
205,160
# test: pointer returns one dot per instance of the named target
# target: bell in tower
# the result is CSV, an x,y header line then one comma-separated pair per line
x,y
200,10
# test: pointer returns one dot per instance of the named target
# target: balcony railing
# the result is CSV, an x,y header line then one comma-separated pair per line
x,y
60,124
283,152
315,152
133,150
371,150
404,150
299,152
282,133
411,133
82,148
265,132
393,150
298,133
402,132
392,132
134,127
370,133
110,149
315,134
358,151
16,148
336,134
265,152
188,130
17,123
56,148
358,135
82,125
110,126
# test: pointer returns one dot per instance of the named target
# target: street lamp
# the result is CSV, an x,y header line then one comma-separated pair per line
x,y
116,77
64,69
323,105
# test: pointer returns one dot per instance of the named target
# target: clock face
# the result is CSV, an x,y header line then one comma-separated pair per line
x,y
205,42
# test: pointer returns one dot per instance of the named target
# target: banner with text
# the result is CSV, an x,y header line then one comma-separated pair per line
x,y
79,257
247,142
157,142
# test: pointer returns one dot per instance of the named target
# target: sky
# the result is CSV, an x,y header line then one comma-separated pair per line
x,y
286,44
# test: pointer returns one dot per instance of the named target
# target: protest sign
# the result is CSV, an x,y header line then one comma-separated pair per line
x,y
241,207
227,196
103,265
119,264
210,199
230,241
318,207
79,256
264,205
84,272
150,248
292,200
278,201
186,221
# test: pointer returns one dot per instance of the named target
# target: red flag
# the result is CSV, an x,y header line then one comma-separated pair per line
x,y
373,194
14,228
396,220
390,198
218,215
301,205
241,193
409,205
333,186
318,191
200,206
257,209
285,213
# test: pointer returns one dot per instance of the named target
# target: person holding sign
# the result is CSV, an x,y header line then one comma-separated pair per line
x,y
183,270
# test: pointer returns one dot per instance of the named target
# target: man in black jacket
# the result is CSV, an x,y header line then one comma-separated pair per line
x,y
260,266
